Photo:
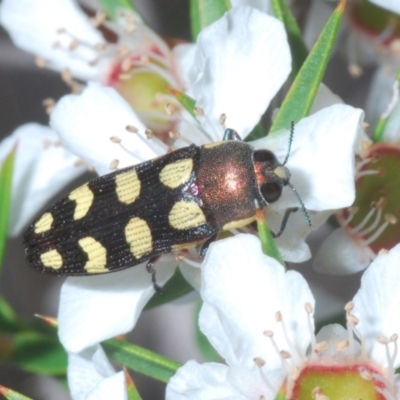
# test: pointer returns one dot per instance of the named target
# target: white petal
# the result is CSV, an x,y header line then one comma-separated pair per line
x,y
86,123
201,382
112,387
87,370
34,26
241,62
244,289
39,171
332,335
185,57
324,98
376,304
340,254
391,5
261,5
97,308
321,161
252,384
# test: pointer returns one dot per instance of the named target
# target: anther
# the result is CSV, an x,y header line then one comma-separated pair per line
x,y
309,308
174,134
278,316
342,345
114,164
46,144
126,64
294,373
75,86
352,319
170,149
61,30
268,333
365,126
98,19
390,218
259,362
383,340
40,62
285,354
66,75
179,257
168,109
366,375
149,133
123,50
79,162
115,139
321,347
349,306
132,129
222,119
100,46
198,111
393,337
355,70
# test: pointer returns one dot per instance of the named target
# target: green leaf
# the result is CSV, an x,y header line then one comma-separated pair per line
x,y
12,395
141,360
133,393
6,172
38,353
186,101
206,349
300,98
9,322
268,244
112,7
205,12
176,287
256,133
297,46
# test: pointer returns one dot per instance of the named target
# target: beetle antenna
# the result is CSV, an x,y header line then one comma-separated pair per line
x,y
303,208
290,142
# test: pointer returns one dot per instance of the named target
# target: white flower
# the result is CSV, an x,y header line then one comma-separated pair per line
x,y
138,64
259,318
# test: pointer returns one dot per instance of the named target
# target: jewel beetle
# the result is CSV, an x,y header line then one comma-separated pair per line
x,y
174,202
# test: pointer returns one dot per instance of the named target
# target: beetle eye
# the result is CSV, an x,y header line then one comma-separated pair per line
x,y
271,191
265,156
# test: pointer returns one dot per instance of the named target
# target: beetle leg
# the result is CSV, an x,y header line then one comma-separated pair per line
x,y
204,247
150,269
284,222
231,134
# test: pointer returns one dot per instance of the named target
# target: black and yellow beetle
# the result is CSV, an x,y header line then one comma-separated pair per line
x,y
174,202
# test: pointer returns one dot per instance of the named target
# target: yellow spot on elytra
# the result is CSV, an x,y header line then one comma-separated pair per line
x,y
211,145
186,215
184,246
127,186
44,223
83,197
238,224
51,259
138,236
96,254
177,173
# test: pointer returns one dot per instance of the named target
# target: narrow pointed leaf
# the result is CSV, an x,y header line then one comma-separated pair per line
x,y
297,46
186,101
205,12
9,322
176,287
268,244
141,360
12,395
300,98
6,172
112,7
133,393
34,352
